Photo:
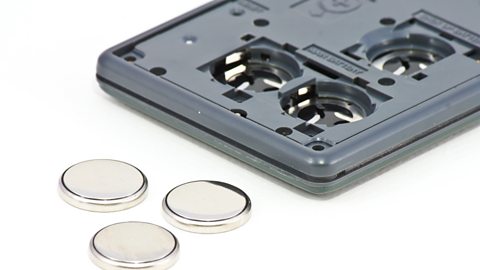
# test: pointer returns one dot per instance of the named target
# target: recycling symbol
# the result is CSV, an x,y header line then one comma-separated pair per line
x,y
335,6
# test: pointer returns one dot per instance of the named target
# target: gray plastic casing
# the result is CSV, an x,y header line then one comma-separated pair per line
x,y
407,116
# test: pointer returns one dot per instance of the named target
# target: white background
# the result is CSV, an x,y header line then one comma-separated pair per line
x,y
423,214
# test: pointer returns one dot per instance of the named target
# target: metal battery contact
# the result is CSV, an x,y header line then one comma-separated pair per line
x,y
327,103
408,55
403,50
257,69
265,69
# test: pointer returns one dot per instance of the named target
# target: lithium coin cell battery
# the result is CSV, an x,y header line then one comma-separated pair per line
x,y
207,207
103,185
134,245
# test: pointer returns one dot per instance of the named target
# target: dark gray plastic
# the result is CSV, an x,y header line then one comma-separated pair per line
x,y
320,94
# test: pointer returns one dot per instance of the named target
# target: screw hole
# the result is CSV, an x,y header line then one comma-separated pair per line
x,y
159,71
239,112
285,131
247,37
130,59
387,21
261,22
318,147
386,81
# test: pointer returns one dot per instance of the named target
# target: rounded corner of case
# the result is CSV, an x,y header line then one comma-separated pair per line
x,y
322,165
104,58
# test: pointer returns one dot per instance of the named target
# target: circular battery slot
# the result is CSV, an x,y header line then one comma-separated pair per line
x,y
329,104
408,55
256,69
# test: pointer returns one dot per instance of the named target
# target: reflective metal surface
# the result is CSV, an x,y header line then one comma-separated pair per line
x,y
256,69
207,207
134,245
327,111
406,62
103,185
405,56
328,103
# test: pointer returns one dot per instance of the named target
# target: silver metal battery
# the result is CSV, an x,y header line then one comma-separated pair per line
x,y
134,245
103,185
207,207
